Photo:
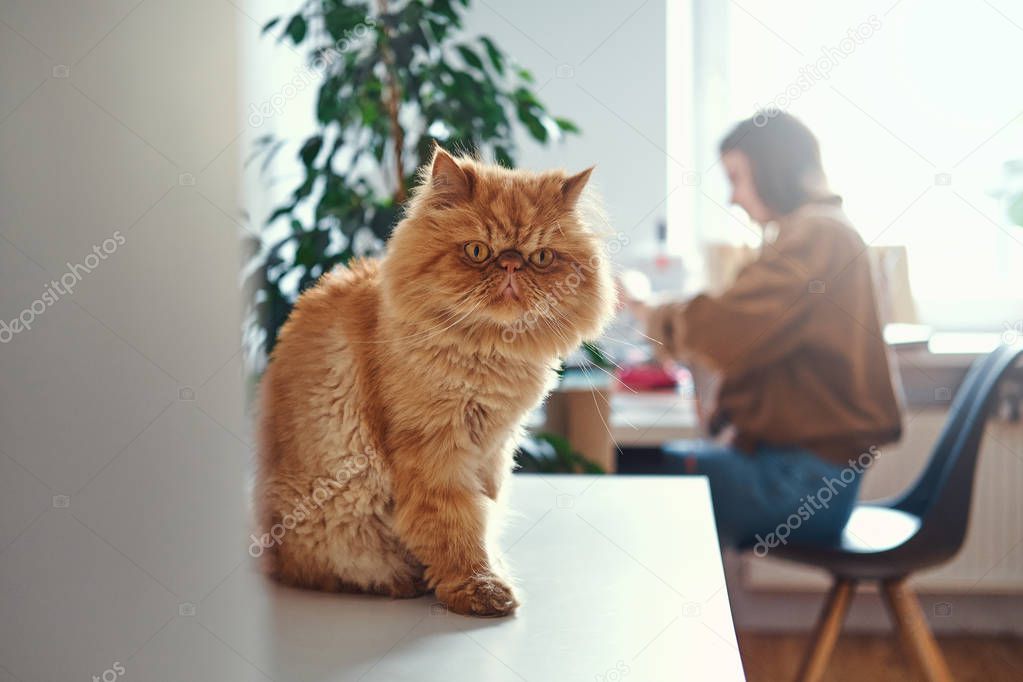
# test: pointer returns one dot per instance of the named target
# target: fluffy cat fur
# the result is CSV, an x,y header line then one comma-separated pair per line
x,y
397,389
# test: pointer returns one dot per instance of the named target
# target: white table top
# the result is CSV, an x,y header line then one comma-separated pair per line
x,y
619,578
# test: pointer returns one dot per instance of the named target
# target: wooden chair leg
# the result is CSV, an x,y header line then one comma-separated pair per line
x,y
829,624
916,635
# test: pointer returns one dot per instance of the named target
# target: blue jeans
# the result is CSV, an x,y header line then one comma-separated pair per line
x,y
774,496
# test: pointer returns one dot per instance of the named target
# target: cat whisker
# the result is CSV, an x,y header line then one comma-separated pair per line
x,y
646,337
627,343
600,414
609,373
563,316
617,381
558,333
567,319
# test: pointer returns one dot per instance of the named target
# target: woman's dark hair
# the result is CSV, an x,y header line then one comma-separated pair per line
x,y
784,157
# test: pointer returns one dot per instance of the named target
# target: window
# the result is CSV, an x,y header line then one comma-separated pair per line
x,y
919,117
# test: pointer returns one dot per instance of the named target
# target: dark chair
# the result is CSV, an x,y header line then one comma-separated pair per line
x,y
923,527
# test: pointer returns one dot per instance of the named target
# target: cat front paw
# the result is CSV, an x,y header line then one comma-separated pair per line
x,y
481,595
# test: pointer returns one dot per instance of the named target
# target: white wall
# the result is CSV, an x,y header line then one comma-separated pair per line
x,y
119,121
602,65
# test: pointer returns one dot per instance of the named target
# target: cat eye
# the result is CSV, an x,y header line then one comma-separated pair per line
x,y
477,251
542,258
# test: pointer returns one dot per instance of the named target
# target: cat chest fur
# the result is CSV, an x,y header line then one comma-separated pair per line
x,y
486,404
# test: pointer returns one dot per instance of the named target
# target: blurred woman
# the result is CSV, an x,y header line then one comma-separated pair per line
x,y
805,393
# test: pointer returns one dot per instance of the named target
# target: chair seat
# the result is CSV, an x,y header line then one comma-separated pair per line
x,y
873,529
867,548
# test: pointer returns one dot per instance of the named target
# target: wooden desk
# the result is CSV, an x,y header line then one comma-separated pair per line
x,y
596,417
620,579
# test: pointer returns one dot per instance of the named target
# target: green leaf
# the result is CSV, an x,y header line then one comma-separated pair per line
x,y
503,157
296,29
470,57
306,188
371,111
270,24
495,55
559,443
383,221
341,20
525,97
280,213
310,248
566,126
444,8
270,152
533,124
551,453
438,29
596,355
310,150
327,107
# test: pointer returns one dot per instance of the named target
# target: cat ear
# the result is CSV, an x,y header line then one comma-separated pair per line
x,y
572,188
449,183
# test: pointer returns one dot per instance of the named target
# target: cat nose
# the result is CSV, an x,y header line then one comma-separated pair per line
x,y
510,261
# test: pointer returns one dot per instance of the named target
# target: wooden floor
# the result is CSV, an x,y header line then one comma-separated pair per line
x,y
775,658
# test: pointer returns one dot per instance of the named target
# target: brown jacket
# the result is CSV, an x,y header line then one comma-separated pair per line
x,y
797,341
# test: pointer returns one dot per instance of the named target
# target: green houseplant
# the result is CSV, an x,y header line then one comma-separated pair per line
x,y
391,78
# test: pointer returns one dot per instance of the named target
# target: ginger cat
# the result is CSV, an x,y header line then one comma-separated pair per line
x,y
396,393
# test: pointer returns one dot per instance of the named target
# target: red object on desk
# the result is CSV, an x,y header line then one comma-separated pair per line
x,y
646,378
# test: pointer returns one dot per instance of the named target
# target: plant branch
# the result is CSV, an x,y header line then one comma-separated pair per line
x,y
393,101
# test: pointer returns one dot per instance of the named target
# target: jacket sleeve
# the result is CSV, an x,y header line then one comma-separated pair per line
x,y
666,330
759,319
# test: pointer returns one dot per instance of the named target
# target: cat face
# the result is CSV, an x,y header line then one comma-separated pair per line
x,y
487,246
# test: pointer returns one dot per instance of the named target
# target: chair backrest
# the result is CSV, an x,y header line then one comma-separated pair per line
x,y
917,498
941,495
